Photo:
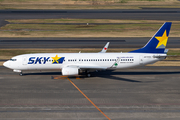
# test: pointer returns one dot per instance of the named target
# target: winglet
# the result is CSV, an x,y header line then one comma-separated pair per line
x,y
105,48
158,42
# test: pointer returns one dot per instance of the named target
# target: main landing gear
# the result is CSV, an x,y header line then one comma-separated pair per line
x,y
87,73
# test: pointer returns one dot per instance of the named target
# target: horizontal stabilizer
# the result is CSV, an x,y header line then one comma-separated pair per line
x,y
160,56
166,50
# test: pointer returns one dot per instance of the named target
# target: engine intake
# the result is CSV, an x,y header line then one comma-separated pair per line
x,y
70,71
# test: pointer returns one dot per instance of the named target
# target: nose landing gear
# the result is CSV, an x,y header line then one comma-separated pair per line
x,y
21,74
19,71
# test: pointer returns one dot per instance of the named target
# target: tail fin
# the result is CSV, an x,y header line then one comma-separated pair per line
x,y
105,48
158,42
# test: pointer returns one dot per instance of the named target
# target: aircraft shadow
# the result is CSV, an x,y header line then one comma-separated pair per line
x,y
109,74
112,75
43,73
135,73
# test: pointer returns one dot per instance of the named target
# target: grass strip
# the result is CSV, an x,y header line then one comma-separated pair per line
x,y
67,20
135,29
87,4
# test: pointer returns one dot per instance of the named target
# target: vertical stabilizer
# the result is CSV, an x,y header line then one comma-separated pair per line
x,y
105,48
157,43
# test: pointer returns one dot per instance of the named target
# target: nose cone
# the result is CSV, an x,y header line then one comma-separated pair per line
x,y
6,64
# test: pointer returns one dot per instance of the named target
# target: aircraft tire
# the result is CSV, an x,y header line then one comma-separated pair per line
x,y
21,74
88,75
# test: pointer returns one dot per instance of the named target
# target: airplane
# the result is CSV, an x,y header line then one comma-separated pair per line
x,y
71,64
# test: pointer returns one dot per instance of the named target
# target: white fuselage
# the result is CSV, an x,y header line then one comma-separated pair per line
x,y
41,61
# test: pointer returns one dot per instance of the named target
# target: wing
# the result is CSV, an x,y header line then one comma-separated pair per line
x,y
84,67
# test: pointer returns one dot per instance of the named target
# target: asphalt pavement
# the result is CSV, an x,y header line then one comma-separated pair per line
x,y
137,93
132,14
43,43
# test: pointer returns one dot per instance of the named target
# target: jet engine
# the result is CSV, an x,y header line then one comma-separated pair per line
x,y
70,71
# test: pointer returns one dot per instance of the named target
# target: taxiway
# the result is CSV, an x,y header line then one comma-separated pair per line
x,y
137,93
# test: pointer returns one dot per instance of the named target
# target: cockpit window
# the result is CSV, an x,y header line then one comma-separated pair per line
x,y
13,59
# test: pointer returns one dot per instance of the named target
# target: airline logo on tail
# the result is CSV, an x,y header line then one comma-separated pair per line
x,y
162,40
157,43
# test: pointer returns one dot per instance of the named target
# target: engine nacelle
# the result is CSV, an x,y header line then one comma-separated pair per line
x,y
70,71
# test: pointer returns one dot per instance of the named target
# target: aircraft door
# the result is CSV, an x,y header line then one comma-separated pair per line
x,y
141,59
24,61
